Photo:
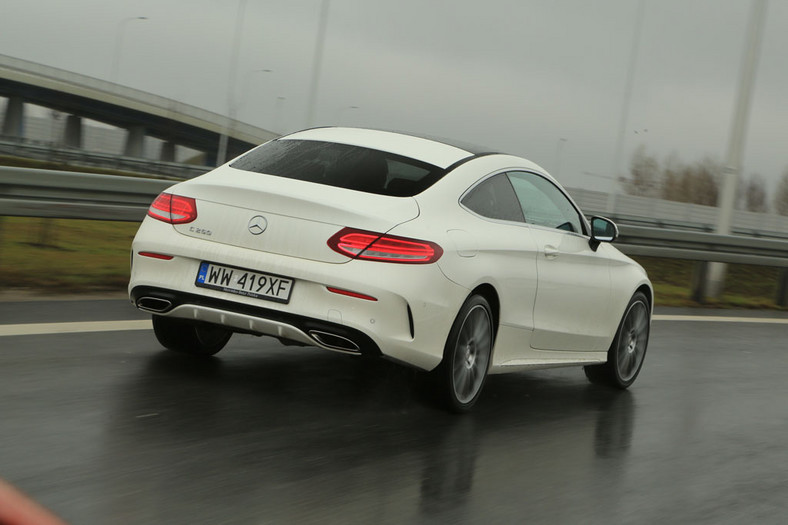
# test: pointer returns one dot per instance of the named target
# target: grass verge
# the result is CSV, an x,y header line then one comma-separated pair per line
x,y
746,286
64,255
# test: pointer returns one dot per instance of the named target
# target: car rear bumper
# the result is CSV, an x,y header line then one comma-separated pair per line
x,y
254,320
407,318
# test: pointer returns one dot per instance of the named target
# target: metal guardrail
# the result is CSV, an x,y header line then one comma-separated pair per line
x,y
70,195
699,246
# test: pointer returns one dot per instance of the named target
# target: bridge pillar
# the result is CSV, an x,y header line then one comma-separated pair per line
x,y
167,153
135,142
13,121
700,283
72,133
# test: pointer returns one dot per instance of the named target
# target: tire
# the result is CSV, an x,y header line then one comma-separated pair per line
x,y
190,337
467,355
626,354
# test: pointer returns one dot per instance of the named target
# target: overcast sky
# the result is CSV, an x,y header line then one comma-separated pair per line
x,y
517,76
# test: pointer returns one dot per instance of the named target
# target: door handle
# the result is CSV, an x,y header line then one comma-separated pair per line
x,y
551,252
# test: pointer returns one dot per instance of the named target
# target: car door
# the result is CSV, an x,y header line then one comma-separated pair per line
x,y
574,287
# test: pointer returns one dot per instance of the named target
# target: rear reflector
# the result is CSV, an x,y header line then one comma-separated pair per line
x,y
154,255
173,209
357,295
372,246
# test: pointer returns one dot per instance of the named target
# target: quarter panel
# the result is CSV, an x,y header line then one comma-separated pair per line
x,y
479,251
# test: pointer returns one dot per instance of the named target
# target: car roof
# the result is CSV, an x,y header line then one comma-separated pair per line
x,y
438,152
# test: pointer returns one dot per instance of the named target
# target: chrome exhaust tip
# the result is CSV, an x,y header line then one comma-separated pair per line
x,y
334,341
153,304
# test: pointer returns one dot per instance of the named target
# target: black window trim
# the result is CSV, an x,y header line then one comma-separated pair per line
x,y
583,220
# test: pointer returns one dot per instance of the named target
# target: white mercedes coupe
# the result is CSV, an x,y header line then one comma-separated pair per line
x,y
446,258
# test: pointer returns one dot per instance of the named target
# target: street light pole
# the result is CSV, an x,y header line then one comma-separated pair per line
x,y
622,124
224,138
733,161
317,65
119,45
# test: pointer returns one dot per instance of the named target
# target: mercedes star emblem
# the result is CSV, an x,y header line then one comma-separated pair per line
x,y
257,225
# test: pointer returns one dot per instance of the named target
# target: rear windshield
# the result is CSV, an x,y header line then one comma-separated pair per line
x,y
343,166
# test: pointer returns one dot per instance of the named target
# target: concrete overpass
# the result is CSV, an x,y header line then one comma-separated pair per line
x,y
138,112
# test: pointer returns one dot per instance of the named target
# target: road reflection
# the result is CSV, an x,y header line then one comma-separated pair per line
x,y
448,469
304,436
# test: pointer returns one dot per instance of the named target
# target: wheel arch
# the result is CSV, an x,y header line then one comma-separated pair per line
x,y
489,292
649,293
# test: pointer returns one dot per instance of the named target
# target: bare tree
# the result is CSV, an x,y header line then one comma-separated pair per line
x,y
753,194
644,174
671,179
696,183
703,185
781,195
692,183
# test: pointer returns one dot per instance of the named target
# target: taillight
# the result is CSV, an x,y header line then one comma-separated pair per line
x,y
173,209
371,246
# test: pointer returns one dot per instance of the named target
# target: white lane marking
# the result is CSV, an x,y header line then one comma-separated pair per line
x,y
145,324
720,319
74,328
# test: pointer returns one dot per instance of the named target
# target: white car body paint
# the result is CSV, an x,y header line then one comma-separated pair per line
x,y
560,302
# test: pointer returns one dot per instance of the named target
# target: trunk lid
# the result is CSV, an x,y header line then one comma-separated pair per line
x,y
284,216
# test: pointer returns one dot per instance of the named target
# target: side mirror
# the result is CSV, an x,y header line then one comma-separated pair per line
x,y
602,230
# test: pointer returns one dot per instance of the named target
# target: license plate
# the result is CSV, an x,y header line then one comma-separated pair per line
x,y
244,282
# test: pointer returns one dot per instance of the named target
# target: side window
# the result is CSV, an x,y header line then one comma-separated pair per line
x,y
495,199
543,203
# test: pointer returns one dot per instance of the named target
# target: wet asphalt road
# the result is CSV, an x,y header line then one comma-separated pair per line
x,y
106,428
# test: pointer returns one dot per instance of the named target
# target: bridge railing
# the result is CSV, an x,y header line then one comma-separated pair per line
x,y
38,150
